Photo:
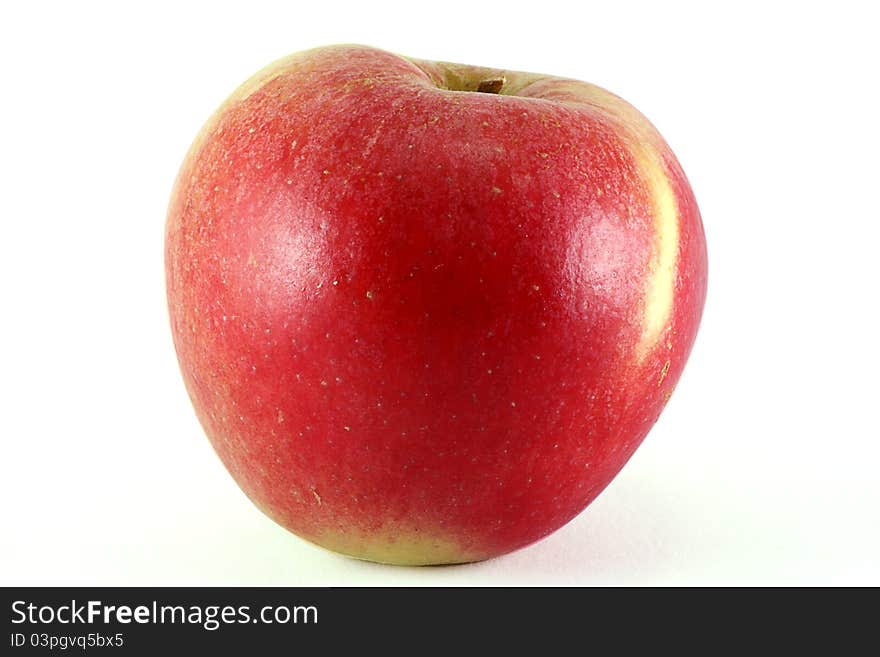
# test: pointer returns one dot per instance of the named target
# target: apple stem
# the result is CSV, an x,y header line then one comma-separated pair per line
x,y
491,85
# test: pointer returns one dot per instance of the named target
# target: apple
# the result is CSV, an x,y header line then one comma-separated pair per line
x,y
425,311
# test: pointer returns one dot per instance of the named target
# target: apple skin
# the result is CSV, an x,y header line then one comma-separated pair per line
x,y
422,324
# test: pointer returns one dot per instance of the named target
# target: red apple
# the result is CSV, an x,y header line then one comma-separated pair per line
x,y
426,311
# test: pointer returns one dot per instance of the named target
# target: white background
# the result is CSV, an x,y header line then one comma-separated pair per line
x,y
762,470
